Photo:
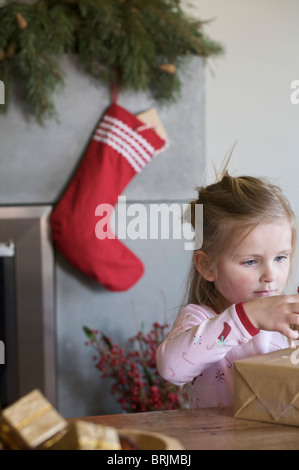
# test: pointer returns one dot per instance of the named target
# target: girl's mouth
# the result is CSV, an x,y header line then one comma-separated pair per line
x,y
264,293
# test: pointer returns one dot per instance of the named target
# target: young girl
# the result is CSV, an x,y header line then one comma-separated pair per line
x,y
236,307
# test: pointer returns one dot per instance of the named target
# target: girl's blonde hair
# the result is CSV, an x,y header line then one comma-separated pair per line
x,y
233,206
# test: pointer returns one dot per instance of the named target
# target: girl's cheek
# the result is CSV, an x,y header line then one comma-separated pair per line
x,y
238,288
233,288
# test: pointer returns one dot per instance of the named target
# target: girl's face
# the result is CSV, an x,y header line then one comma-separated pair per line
x,y
256,267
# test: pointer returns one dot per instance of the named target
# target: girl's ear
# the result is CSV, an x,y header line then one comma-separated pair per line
x,y
202,264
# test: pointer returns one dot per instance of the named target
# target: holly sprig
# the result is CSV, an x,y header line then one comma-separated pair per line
x,y
132,369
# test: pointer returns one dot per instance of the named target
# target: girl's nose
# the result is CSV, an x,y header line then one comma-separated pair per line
x,y
268,274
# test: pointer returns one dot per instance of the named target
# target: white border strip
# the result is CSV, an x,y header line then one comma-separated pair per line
x,y
133,133
113,129
115,145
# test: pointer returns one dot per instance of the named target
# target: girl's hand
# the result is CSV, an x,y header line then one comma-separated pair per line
x,y
275,313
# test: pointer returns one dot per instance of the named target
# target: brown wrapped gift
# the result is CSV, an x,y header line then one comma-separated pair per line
x,y
82,435
30,422
266,387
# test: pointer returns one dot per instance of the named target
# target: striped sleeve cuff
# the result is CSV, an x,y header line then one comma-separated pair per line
x,y
252,330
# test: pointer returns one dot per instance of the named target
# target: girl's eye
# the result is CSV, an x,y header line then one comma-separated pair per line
x,y
249,262
280,258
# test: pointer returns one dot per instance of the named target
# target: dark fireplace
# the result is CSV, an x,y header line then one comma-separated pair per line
x,y
26,303
8,333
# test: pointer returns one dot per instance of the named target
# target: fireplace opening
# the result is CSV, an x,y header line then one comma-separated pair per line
x,y
27,328
8,358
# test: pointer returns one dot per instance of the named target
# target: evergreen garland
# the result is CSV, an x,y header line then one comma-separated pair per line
x,y
141,43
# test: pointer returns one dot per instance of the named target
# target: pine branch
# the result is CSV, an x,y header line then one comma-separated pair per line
x,y
134,40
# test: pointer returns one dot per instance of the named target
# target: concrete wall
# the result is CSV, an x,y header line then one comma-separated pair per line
x,y
35,165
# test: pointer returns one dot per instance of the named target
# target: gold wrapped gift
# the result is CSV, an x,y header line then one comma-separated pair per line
x,y
30,422
267,387
82,435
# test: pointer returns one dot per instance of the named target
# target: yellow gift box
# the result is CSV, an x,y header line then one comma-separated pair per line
x,y
30,422
82,435
266,387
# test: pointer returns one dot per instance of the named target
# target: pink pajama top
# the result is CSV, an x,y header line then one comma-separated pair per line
x,y
202,346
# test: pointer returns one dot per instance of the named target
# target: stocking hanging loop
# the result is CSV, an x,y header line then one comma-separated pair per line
x,y
115,89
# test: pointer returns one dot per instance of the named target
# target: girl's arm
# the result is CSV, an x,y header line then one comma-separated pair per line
x,y
200,338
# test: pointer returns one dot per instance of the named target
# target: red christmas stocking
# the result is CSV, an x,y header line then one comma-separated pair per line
x,y
120,148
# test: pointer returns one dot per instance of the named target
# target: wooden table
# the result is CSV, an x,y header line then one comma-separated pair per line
x,y
208,429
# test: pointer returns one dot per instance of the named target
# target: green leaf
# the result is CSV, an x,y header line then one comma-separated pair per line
x,y
107,341
89,333
148,374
